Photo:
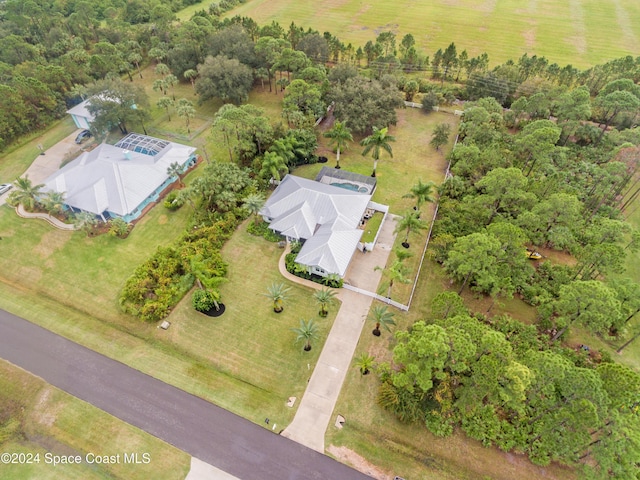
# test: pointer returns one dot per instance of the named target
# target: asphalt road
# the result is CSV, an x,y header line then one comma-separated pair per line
x,y
205,431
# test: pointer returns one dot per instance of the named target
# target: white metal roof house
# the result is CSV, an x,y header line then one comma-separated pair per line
x,y
326,217
81,115
119,180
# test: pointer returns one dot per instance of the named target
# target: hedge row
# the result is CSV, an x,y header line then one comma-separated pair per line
x,y
159,284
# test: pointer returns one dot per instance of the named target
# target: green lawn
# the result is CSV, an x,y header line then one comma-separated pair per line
x,y
371,227
17,158
55,422
577,32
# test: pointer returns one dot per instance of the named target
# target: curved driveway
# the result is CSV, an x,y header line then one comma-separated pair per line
x,y
203,430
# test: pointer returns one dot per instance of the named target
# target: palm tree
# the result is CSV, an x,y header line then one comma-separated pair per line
x,y
253,204
364,363
422,192
165,102
411,223
53,202
135,58
85,221
339,135
185,110
397,272
191,75
26,193
324,298
378,140
277,292
175,170
273,165
307,332
171,81
381,316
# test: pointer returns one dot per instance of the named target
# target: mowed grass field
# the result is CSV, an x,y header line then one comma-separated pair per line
x,y
47,420
577,32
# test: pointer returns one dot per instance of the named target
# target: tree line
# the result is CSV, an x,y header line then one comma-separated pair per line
x,y
49,49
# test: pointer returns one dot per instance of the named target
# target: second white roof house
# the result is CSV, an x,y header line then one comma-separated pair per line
x,y
326,217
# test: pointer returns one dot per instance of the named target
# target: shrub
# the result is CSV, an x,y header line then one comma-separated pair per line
x,y
172,201
204,300
261,229
118,228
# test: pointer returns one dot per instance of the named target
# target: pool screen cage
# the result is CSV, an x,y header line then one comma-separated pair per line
x,y
347,176
142,144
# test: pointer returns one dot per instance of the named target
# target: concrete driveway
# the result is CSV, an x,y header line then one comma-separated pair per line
x,y
45,165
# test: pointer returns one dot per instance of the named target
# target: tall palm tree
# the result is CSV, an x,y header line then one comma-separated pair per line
x,y
273,165
324,298
175,170
374,143
381,316
277,292
253,204
364,363
339,135
191,75
26,193
307,332
422,192
186,110
411,223
396,272
165,102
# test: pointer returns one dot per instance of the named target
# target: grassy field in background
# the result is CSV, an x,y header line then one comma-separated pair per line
x,y
577,32
56,422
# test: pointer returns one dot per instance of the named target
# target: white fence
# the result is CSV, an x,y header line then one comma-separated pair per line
x,y
376,296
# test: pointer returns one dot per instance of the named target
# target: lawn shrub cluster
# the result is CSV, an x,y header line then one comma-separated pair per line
x,y
158,284
172,201
301,271
261,229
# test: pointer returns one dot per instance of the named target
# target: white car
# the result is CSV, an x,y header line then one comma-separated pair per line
x,y
5,187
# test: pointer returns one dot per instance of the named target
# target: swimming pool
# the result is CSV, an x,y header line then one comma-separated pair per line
x,y
351,186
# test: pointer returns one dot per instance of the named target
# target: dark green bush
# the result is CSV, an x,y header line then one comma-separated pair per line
x,y
172,202
203,300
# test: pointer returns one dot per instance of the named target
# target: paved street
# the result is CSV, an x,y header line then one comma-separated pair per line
x,y
205,431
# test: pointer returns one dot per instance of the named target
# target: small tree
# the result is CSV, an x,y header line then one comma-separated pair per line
x,y
411,224
397,272
307,332
422,192
53,202
382,317
364,363
324,298
185,110
429,101
374,143
440,135
85,221
277,292
175,170
118,227
205,300
26,193
191,75
166,103
339,135
253,204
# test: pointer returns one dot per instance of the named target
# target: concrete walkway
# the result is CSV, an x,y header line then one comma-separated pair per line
x,y
44,216
319,400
